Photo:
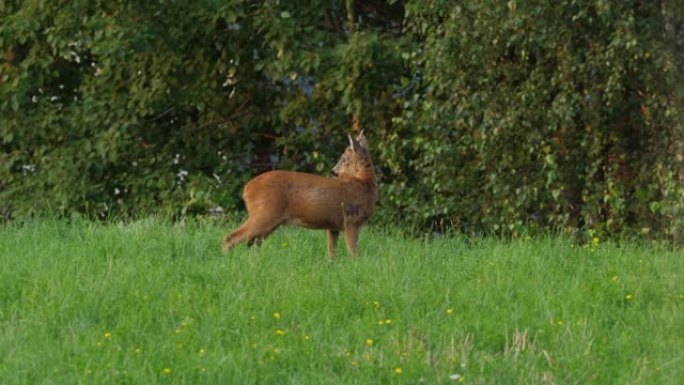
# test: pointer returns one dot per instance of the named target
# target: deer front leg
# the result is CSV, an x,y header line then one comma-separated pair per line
x,y
332,243
351,238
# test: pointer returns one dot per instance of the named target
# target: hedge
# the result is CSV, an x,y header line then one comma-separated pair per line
x,y
484,117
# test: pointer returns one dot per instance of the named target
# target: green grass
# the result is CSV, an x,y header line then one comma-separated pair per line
x,y
154,303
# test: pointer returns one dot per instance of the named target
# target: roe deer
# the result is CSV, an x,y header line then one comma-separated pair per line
x,y
341,203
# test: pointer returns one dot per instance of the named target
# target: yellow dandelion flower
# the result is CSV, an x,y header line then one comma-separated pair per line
x,y
629,297
203,370
276,315
167,371
107,335
280,332
615,278
398,370
201,351
369,342
450,310
388,321
381,322
595,240
138,350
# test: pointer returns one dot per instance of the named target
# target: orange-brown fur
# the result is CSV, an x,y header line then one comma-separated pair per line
x,y
342,203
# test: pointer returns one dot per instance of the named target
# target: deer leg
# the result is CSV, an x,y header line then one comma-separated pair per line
x,y
237,236
351,238
262,228
332,243
257,239
252,231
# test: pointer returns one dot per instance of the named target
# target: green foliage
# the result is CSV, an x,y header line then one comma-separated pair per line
x,y
153,303
533,115
499,117
106,109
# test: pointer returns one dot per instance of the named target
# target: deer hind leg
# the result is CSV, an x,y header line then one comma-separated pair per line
x,y
332,243
253,231
237,236
260,233
351,238
261,225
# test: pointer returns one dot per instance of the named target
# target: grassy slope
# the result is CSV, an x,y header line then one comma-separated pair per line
x,y
153,303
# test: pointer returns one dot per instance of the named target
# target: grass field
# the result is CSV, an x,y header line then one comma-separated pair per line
x,y
155,303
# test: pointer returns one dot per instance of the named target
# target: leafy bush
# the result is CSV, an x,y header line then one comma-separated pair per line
x,y
489,117
527,116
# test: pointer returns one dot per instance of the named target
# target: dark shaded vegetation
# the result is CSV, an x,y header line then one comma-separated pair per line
x,y
504,117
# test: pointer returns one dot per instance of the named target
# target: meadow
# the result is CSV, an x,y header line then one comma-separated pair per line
x,y
150,302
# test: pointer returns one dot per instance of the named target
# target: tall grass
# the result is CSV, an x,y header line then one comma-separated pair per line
x,y
155,303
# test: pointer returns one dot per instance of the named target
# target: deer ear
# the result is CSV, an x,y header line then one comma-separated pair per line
x,y
361,139
354,144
